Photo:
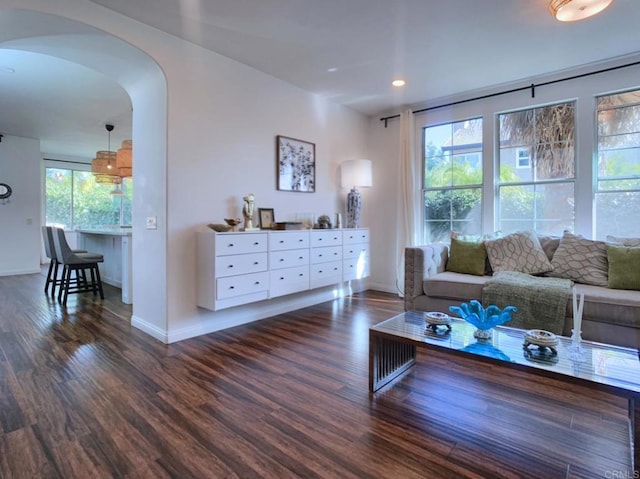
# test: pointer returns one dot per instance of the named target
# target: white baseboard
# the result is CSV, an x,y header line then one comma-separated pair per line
x,y
151,329
18,272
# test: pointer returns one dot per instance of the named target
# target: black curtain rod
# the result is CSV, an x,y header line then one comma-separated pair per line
x,y
531,87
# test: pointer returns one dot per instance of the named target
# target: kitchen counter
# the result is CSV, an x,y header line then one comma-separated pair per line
x,y
115,245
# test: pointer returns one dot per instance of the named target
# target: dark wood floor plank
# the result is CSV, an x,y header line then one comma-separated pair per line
x,y
83,394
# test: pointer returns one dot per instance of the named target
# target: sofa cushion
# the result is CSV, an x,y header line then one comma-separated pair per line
x,y
467,257
624,267
457,286
520,252
581,260
610,306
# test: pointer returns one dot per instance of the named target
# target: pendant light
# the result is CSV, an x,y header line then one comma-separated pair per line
x,y
573,10
103,165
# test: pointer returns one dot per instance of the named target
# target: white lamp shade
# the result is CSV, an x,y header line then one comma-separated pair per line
x,y
572,10
356,173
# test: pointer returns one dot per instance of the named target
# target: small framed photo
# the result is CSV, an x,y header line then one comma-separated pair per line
x,y
296,165
266,218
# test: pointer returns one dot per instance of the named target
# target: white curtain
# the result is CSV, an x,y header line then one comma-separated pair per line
x,y
410,181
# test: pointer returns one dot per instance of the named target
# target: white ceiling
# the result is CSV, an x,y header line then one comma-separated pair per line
x,y
441,48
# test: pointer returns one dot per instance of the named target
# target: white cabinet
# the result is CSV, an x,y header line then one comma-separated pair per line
x,y
241,268
355,254
288,262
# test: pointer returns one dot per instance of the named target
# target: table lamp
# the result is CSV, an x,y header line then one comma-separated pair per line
x,y
355,173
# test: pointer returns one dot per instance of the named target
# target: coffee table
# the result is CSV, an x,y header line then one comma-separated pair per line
x,y
393,345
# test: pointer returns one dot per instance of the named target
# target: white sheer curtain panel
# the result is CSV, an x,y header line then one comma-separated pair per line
x,y
410,191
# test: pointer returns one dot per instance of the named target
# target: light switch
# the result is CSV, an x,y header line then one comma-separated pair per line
x,y
152,222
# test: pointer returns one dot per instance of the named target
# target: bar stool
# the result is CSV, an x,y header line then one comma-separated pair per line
x,y
49,249
78,263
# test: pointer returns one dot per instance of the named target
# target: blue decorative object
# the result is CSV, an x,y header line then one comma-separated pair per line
x,y
481,318
485,349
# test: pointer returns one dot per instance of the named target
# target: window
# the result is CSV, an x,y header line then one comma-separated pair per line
x,y
453,179
523,159
539,197
618,167
73,199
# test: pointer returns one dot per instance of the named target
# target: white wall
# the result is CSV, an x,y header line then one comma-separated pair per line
x,y
384,146
200,147
20,236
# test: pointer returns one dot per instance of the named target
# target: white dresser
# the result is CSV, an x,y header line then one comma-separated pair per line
x,y
240,268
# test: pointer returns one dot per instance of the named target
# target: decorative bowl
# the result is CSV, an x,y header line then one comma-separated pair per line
x,y
483,319
220,228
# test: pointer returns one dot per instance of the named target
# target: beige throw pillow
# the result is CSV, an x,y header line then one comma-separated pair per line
x,y
519,251
581,260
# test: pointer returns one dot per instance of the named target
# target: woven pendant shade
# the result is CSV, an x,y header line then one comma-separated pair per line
x,y
104,168
124,159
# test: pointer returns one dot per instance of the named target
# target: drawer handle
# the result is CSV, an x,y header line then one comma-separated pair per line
x,y
281,241
335,237
281,259
232,287
350,251
281,277
301,274
319,239
350,237
320,271
300,240
335,254
255,263
230,266
335,269
257,282
300,257
256,243
231,245
320,256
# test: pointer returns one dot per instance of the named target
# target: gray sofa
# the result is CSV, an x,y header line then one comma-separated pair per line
x,y
610,315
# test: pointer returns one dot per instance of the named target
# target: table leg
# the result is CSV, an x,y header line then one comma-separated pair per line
x,y
388,359
634,420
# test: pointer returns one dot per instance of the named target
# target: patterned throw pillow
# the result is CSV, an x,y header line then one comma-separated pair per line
x,y
624,267
581,260
519,251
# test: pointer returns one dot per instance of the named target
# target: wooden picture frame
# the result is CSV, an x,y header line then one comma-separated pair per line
x,y
266,218
296,165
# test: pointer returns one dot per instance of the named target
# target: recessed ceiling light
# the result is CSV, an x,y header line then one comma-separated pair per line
x,y
398,82
332,69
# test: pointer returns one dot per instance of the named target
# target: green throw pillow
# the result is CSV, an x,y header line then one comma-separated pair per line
x,y
467,257
624,267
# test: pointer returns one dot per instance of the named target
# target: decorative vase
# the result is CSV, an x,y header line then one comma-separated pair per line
x,y
483,319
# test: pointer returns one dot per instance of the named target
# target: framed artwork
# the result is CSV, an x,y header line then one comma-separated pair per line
x,y
296,165
266,218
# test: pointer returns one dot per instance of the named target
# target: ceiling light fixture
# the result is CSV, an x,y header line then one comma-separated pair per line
x,y
573,10
398,83
103,165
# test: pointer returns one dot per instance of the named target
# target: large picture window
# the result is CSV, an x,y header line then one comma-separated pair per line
x,y
453,179
618,168
537,169
73,199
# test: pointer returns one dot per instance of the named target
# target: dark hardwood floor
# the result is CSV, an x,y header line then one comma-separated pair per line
x,y
84,395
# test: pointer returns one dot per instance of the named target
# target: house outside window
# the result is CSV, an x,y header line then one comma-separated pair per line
x,y
73,199
617,196
453,179
539,197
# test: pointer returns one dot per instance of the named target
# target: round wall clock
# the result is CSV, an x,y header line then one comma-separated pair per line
x,y
5,191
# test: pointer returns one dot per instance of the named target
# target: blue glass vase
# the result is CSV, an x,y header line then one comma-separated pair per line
x,y
483,319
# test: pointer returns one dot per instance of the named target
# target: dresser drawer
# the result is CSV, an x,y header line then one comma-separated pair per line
x,y
326,274
288,258
240,243
241,264
287,281
355,236
355,250
355,268
231,286
322,255
326,238
288,240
